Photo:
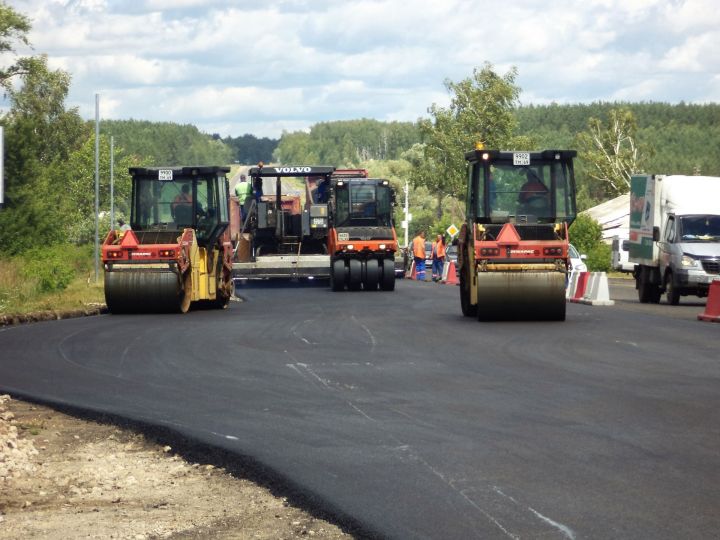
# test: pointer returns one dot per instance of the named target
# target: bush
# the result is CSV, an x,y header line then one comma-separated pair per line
x,y
585,234
52,267
599,258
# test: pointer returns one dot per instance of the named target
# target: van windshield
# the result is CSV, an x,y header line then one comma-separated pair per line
x,y
704,228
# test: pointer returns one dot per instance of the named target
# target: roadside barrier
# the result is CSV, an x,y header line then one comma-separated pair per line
x,y
580,286
572,285
597,291
712,308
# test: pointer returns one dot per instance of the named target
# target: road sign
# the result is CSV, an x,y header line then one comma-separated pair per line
x,y
452,230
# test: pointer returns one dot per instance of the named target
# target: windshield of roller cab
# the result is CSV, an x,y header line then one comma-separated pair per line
x,y
542,190
363,204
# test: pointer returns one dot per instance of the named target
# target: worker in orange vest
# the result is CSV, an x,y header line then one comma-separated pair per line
x,y
418,248
438,257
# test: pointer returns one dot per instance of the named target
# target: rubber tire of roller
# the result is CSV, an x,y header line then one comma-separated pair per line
x,y
387,275
337,275
372,275
355,275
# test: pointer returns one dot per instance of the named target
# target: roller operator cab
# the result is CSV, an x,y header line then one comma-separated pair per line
x,y
178,250
362,240
513,248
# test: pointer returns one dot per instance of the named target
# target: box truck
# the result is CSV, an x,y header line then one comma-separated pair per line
x,y
674,239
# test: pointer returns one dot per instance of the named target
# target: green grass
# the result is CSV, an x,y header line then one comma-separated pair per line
x,y
22,291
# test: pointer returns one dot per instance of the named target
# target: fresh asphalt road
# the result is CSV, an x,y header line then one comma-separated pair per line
x,y
394,410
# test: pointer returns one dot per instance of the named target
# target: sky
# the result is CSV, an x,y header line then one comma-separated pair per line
x,y
264,67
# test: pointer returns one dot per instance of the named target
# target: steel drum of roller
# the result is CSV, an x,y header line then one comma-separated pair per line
x,y
143,290
521,296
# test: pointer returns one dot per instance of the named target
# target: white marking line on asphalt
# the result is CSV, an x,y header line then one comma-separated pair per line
x,y
441,476
315,375
562,528
631,343
358,409
373,341
295,332
567,531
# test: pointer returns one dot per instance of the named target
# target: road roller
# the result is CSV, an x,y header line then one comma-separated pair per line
x,y
361,239
513,247
177,253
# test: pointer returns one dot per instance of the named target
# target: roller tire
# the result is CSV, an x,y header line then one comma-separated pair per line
x,y
521,296
387,275
354,275
648,293
138,291
337,275
372,275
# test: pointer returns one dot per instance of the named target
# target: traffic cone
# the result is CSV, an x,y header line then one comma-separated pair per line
x,y
451,278
712,308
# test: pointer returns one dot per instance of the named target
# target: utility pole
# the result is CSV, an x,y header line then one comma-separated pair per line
x,y
408,217
112,183
97,187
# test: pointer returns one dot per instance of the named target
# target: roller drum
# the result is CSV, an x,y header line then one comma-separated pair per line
x,y
136,291
521,296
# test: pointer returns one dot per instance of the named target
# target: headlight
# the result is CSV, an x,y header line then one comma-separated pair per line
x,y
689,261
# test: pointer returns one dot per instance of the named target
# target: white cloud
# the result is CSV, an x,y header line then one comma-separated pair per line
x,y
280,64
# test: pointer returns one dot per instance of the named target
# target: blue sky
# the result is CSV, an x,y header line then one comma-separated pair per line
x,y
263,67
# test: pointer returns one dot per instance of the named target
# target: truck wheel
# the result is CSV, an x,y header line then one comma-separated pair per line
x,y
355,275
372,275
337,275
671,292
387,275
648,292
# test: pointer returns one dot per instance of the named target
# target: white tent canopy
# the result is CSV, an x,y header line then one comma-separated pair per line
x,y
613,216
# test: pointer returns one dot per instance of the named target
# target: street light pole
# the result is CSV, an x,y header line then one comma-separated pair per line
x,y
406,224
112,183
97,187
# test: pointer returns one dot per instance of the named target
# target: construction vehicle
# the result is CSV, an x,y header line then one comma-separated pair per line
x,y
282,237
513,248
674,239
361,241
177,253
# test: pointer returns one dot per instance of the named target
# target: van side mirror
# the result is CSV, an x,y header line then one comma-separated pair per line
x,y
626,245
656,234
583,257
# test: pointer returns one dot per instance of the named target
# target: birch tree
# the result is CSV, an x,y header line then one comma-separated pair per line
x,y
611,151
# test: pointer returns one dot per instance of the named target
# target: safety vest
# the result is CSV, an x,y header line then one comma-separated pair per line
x,y
438,250
419,247
243,190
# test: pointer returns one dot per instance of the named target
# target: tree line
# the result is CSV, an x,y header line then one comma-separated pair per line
x,y
49,148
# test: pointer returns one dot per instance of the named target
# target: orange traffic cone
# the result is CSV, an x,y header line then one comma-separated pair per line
x,y
712,308
451,278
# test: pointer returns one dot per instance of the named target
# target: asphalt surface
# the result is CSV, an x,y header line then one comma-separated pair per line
x,y
394,410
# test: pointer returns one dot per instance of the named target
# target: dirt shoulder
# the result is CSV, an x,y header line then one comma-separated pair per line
x,y
66,477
